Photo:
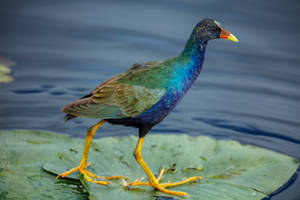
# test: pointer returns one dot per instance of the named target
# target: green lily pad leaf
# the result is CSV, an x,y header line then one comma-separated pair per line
x,y
22,154
229,170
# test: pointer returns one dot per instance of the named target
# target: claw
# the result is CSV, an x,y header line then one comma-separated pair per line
x,y
88,175
161,186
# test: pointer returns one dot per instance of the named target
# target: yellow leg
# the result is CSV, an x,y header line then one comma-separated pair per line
x,y
154,182
81,168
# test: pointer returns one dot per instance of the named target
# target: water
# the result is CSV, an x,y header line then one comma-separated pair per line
x,y
247,91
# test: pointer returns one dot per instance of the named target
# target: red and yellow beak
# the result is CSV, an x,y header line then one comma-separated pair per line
x,y
228,36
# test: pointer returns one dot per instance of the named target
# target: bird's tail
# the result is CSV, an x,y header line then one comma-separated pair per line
x,y
68,117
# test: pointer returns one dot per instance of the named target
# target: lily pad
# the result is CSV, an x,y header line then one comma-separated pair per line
x,y
22,154
229,170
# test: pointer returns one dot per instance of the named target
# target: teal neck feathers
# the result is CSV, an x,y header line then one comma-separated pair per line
x,y
187,66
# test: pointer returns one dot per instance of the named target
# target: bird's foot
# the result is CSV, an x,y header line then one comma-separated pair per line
x,y
88,175
161,186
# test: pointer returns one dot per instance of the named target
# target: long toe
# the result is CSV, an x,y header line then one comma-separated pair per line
x,y
162,186
89,176
67,173
191,179
164,190
86,177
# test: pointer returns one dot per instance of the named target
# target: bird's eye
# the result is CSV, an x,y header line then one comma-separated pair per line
x,y
214,29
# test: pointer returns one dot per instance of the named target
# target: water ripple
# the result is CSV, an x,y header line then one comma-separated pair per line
x,y
248,129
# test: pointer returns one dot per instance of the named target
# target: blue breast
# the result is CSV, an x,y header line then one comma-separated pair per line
x,y
184,75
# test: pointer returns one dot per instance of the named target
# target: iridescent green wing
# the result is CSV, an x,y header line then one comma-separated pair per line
x,y
113,99
152,75
130,99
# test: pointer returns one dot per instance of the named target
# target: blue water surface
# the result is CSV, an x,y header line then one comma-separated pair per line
x,y
247,91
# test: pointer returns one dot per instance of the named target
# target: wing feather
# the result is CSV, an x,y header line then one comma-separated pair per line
x,y
113,100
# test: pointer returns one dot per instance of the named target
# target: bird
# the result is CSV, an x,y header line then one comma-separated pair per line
x,y
142,97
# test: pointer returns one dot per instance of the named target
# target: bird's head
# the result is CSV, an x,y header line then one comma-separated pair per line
x,y
209,29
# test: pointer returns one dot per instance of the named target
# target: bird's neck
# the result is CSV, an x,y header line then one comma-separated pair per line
x,y
194,52
189,64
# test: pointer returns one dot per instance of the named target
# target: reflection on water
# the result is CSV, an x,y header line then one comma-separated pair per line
x,y
247,91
